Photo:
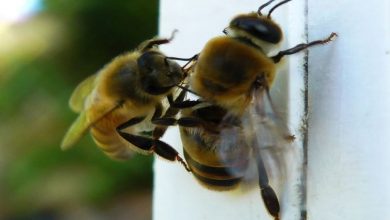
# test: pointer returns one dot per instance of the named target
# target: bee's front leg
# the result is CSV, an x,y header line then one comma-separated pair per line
x,y
168,118
149,144
156,146
301,47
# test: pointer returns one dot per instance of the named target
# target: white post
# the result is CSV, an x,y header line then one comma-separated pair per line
x,y
348,111
349,99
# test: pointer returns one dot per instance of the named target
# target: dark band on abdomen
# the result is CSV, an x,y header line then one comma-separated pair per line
x,y
220,183
224,176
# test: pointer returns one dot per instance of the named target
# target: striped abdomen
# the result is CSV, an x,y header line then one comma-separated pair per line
x,y
107,138
217,164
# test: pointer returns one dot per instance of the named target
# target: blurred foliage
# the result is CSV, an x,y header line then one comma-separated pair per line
x,y
45,58
101,30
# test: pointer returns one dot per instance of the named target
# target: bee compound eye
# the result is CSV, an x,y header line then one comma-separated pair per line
x,y
260,28
149,60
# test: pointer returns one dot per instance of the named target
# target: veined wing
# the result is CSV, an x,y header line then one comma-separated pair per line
x,y
269,137
81,125
80,94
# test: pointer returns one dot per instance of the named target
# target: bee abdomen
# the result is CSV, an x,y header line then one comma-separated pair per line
x,y
111,143
217,178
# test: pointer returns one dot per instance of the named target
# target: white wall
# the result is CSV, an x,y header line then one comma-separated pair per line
x,y
349,90
348,111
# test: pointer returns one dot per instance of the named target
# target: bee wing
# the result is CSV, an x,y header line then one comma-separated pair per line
x,y
81,125
76,131
82,91
269,137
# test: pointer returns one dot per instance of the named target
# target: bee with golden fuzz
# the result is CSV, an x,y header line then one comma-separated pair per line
x,y
234,122
119,103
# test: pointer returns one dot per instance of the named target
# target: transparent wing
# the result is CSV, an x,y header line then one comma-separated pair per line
x,y
80,94
76,131
261,133
269,137
81,125
265,136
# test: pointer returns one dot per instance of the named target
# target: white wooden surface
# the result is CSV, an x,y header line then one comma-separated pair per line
x,y
349,97
349,117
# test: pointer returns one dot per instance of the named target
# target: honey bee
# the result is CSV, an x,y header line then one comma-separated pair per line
x,y
234,121
119,103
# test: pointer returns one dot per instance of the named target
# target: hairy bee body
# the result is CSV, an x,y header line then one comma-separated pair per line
x,y
105,136
203,149
226,69
136,104
131,87
222,75
235,123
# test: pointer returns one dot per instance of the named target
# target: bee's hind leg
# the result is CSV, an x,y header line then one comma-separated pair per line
x,y
149,144
269,196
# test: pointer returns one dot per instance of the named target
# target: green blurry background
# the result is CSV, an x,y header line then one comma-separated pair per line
x,y
42,59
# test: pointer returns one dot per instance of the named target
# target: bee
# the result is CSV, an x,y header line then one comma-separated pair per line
x,y
234,121
119,103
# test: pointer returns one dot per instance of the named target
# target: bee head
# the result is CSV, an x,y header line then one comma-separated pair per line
x,y
257,28
158,74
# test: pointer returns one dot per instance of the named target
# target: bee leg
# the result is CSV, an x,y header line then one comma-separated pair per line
x,y
174,106
156,146
158,41
141,142
159,131
180,104
165,121
168,118
129,123
151,144
190,122
173,110
301,47
168,152
267,193
185,121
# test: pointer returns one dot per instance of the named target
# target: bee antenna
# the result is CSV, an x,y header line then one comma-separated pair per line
x,y
186,89
277,5
173,34
155,42
263,6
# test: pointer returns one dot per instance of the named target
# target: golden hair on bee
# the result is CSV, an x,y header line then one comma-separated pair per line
x,y
234,121
119,103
